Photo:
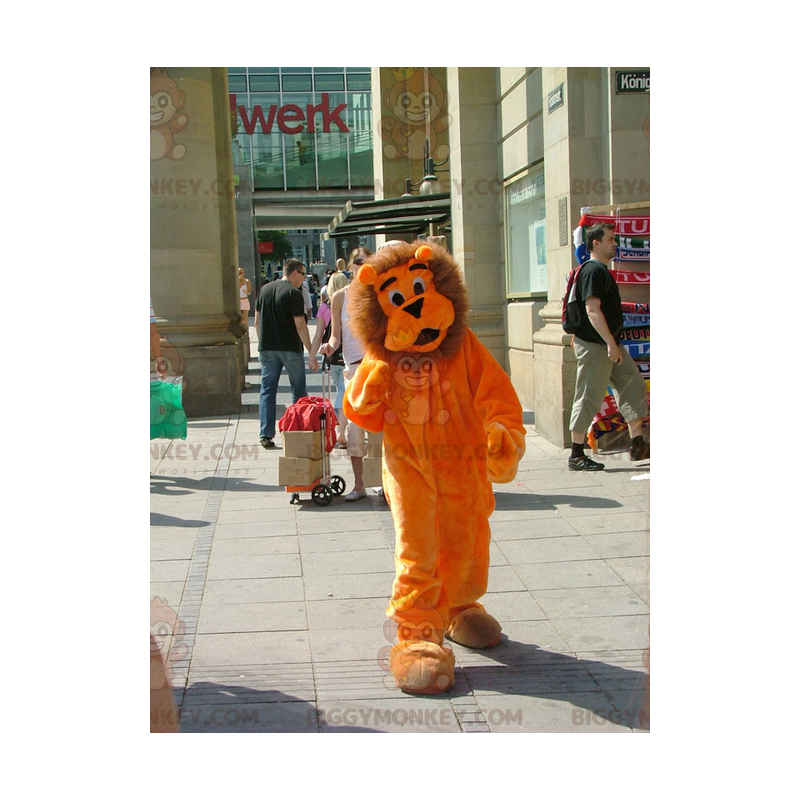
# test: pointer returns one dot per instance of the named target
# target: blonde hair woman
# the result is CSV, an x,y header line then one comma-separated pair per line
x,y
245,290
352,353
337,281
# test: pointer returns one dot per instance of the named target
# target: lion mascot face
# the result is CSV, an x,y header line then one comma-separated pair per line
x,y
410,298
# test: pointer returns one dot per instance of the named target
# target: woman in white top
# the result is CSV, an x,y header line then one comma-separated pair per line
x,y
245,290
335,362
353,352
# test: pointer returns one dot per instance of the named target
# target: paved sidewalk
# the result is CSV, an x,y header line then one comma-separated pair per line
x,y
278,609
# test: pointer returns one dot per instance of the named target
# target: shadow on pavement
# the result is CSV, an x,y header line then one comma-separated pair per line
x,y
209,707
166,521
517,501
169,485
526,669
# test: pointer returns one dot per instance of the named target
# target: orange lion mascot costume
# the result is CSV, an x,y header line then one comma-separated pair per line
x,y
452,425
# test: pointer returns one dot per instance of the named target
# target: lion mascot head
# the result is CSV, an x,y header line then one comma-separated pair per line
x,y
410,298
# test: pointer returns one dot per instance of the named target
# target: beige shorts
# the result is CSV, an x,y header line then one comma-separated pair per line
x,y
356,437
596,372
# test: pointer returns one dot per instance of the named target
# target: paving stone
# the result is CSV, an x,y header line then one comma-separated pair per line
x,y
253,590
273,647
252,617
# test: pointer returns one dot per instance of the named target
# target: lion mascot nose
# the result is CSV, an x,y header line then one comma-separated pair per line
x,y
415,308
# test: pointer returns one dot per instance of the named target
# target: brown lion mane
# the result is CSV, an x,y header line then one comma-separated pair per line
x,y
366,318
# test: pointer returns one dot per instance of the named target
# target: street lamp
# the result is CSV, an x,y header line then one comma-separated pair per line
x,y
430,183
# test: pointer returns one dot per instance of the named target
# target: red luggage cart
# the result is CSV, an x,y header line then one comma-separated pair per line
x,y
324,489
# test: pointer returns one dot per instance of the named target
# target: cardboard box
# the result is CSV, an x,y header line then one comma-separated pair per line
x,y
373,471
302,444
298,471
374,445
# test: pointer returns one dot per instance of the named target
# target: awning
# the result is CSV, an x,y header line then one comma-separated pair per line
x,y
398,215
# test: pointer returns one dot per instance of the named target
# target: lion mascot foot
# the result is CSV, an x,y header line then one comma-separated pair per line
x,y
473,627
422,667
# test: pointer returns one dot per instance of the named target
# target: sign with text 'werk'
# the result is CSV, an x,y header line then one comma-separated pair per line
x,y
291,118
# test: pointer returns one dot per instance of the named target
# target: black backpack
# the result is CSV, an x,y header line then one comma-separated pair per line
x,y
571,317
336,359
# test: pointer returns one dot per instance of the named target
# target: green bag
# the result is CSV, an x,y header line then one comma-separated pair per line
x,y
167,417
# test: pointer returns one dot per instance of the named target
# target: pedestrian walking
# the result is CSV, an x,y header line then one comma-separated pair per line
x,y
282,334
602,361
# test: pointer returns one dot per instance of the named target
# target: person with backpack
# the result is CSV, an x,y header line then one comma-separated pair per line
x,y
602,361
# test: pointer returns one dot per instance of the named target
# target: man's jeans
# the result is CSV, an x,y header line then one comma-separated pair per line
x,y
272,363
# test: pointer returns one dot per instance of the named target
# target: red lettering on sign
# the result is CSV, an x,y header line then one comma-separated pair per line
x,y
291,113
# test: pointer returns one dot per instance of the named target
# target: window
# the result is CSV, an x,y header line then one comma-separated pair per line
x,y
358,83
237,83
526,268
329,83
296,83
264,83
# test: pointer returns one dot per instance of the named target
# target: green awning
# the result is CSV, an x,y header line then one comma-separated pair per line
x,y
398,215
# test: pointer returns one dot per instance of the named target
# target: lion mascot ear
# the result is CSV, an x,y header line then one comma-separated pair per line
x,y
423,253
367,275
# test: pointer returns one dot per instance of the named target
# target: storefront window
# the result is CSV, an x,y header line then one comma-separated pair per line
x,y
525,226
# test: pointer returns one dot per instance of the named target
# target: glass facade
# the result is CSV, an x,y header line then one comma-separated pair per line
x,y
303,128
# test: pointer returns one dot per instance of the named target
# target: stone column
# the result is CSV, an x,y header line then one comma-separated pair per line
x,y
477,201
193,254
248,257
576,138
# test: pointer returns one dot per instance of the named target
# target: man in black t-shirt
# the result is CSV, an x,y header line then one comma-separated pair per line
x,y
601,359
282,333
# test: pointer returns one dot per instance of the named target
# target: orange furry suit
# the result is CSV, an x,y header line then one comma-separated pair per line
x,y
452,425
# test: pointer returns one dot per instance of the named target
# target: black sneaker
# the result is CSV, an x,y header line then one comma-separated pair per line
x,y
267,442
585,463
640,449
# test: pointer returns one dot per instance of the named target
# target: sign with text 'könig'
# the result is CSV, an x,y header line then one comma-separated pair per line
x,y
291,118
633,81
